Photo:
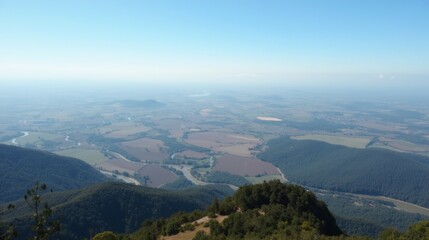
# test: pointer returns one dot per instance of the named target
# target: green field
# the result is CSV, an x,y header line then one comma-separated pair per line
x,y
58,115
298,115
35,138
255,180
121,130
353,142
402,146
90,156
401,205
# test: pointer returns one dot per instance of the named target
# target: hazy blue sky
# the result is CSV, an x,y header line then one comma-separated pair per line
x,y
215,40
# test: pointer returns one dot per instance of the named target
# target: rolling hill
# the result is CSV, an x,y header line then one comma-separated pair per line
x,y
113,206
149,103
21,167
271,210
368,171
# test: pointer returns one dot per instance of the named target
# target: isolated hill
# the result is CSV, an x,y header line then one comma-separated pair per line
x,y
271,210
368,171
115,206
21,167
149,103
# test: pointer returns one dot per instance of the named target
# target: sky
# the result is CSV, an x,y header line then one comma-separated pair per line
x,y
215,41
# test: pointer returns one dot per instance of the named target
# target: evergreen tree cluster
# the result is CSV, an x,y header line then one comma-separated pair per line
x,y
418,231
112,206
261,211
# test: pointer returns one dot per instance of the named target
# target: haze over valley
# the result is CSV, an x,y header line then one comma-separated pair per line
x,y
214,120
352,151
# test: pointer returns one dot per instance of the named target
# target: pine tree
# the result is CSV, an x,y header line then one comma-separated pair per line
x,y
43,227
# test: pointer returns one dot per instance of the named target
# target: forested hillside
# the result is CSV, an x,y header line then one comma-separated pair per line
x,y
21,167
270,210
113,206
417,231
366,217
368,171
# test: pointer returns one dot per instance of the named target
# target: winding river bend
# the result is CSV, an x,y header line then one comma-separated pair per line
x,y
25,134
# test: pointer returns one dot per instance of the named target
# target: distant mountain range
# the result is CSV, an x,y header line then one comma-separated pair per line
x,y
21,167
149,103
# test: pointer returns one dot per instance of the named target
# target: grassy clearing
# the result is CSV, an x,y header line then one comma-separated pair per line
x,y
188,234
402,146
353,142
35,138
121,130
236,144
191,154
298,115
406,146
90,156
128,132
199,226
401,205
384,146
59,115
411,208
121,166
238,149
203,171
255,180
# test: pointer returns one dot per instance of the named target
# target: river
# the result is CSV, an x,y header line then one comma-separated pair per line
x,y
24,135
186,170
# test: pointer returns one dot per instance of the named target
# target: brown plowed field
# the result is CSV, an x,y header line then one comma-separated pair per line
x,y
191,154
157,175
146,149
244,166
